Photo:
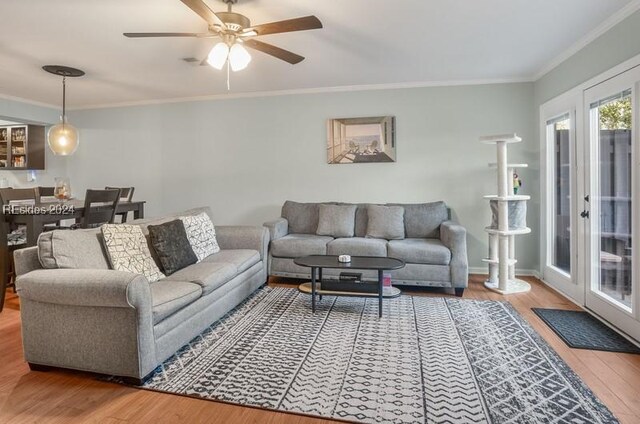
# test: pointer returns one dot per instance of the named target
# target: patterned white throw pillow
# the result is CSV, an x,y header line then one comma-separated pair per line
x,y
128,250
201,234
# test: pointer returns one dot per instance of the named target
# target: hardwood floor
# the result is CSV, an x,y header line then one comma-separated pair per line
x,y
73,397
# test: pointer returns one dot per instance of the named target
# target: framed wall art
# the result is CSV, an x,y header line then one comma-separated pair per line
x,y
361,140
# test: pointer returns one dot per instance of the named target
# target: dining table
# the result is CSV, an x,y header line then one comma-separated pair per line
x,y
35,215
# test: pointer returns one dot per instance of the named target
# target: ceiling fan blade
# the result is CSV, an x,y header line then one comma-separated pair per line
x,y
274,51
297,24
167,34
205,12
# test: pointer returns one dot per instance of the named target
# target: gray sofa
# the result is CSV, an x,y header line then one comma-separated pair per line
x,y
79,314
434,248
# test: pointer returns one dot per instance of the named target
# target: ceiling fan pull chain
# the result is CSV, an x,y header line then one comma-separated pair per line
x,y
228,77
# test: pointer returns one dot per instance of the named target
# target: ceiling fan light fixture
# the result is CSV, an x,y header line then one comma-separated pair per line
x,y
218,55
239,57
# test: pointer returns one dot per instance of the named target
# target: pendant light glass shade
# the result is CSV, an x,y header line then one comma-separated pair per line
x,y
218,55
63,139
239,57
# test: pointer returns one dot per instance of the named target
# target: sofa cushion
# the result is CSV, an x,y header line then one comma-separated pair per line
x,y
296,245
172,246
302,217
420,251
201,234
128,250
78,249
386,222
362,219
423,220
360,226
242,259
168,297
357,246
336,220
208,275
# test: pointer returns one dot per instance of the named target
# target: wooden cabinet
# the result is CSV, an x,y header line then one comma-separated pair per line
x,y
22,147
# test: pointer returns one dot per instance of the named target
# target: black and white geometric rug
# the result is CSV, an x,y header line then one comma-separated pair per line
x,y
428,360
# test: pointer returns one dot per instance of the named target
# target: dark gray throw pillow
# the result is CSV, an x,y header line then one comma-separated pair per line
x,y
170,242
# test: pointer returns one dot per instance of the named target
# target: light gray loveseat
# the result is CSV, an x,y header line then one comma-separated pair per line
x,y
79,314
434,248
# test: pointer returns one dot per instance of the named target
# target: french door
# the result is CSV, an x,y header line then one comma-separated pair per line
x,y
611,202
560,127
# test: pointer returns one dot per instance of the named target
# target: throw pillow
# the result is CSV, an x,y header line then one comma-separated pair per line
x,y
128,250
172,246
385,222
336,220
301,217
201,234
423,220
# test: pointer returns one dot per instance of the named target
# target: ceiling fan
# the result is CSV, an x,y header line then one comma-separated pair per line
x,y
235,31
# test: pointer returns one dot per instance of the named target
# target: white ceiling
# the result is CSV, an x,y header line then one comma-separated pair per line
x,y
363,42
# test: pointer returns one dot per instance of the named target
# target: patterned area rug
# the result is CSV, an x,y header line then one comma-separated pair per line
x,y
428,360
581,330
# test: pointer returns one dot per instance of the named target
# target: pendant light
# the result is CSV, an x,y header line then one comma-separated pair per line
x,y
63,138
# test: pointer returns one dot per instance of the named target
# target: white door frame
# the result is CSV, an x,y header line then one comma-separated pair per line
x,y
576,293
627,321
569,103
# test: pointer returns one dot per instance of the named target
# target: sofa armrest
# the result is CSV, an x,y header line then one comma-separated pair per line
x,y
243,237
454,236
86,287
26,260
278,228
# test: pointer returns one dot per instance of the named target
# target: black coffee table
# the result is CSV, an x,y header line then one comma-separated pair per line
x,y
318,262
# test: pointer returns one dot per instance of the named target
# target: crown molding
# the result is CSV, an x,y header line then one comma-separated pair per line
x,y
28,101
320,90
605,26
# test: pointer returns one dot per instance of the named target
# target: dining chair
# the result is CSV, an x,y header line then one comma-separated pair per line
x,y
99,208
16,235
44,192
49,192
126,194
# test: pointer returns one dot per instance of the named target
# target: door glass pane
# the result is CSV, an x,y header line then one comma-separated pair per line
x,y
611,127
559,133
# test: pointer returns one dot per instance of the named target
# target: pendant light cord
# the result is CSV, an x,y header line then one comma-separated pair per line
x,y
228,76
64,100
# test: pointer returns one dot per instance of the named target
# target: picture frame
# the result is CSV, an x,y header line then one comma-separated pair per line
x,y
361,140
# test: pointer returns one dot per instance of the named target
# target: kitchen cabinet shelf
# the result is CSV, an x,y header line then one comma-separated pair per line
x,y
22,147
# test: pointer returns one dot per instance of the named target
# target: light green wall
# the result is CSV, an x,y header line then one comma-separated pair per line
x,y
18,111
245,157
620,43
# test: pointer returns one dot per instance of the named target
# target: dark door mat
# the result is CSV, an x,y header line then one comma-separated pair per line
x,y
580,330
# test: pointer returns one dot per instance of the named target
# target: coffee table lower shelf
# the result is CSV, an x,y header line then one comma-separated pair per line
x,y
387,292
